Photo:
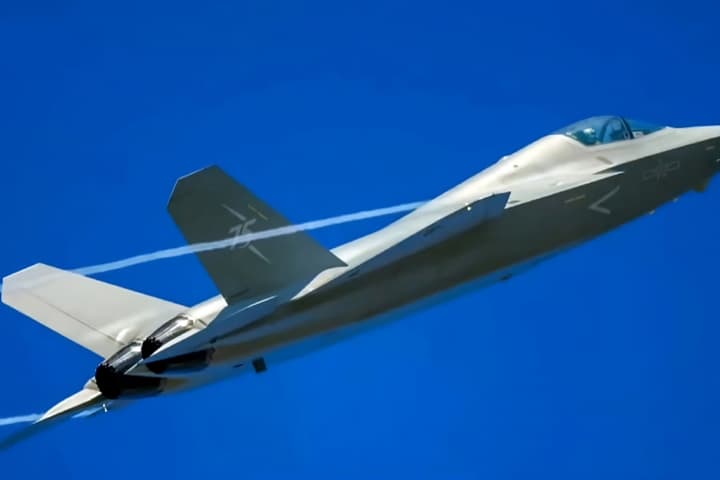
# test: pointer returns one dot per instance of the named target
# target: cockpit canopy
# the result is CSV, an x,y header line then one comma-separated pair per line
x,y
607,129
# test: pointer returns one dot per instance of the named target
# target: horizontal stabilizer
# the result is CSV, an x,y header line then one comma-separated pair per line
x,y
210,206
83,400
97,315
87,399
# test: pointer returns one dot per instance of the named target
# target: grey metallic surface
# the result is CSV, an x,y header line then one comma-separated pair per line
x,y
548,211
284,296
551,222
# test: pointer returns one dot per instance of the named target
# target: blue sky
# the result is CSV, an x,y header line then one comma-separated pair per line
x,y
599,364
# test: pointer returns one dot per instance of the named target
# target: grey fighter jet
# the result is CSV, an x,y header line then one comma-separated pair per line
x,y
281,296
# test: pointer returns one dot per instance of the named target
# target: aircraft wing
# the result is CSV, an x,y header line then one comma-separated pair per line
x,y
96,315
209,206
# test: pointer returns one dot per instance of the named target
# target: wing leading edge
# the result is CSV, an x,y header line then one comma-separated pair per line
x,y
96,315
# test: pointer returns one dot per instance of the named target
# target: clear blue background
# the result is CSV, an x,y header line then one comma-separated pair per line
x,y
600,364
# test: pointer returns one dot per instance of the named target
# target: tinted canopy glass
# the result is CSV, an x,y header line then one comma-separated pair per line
x,y
640,128
606,129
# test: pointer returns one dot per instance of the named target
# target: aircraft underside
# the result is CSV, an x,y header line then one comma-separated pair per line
x,y
283,295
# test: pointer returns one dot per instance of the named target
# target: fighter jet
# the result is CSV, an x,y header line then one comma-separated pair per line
x,y
285,295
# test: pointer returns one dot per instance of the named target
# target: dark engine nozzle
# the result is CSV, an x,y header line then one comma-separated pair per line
x,y
113,382
167,332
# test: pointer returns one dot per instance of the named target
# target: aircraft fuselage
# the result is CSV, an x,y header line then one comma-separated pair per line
x,y
285,294
538,221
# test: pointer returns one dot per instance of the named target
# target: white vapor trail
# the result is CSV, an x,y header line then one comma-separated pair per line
x,y
207,246
246,238
243,239
19,419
